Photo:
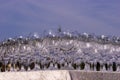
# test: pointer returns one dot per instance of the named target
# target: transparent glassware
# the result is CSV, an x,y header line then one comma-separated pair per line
x,y
62,50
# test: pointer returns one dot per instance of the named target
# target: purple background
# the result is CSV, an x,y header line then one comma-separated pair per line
x,y
20,17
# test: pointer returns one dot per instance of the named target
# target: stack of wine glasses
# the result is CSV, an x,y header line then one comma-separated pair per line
x,y
60,50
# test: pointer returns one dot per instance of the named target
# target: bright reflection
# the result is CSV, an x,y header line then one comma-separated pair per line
x,y
63,51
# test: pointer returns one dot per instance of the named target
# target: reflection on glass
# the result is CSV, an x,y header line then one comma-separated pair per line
x,y
61,50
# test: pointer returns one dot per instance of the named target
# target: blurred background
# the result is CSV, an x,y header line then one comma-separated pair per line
x,y
21,17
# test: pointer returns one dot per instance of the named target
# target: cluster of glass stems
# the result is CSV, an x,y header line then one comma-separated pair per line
x,y
60,51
